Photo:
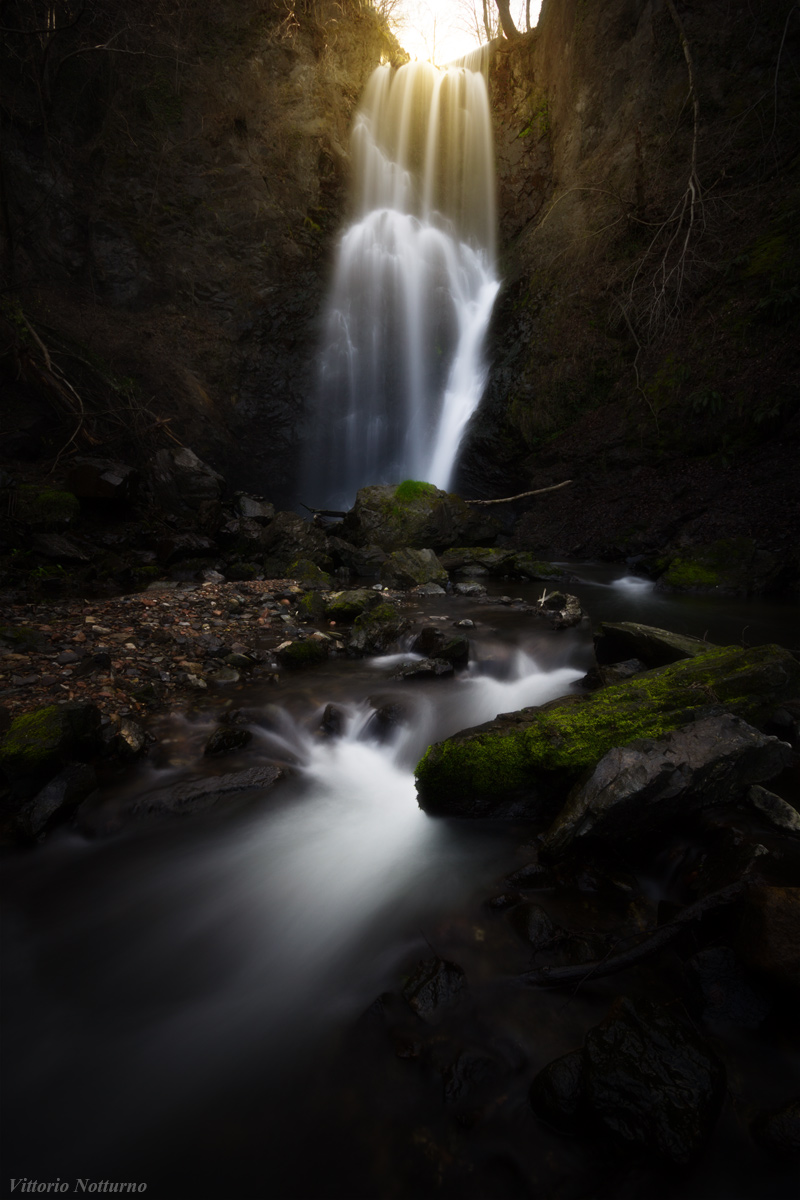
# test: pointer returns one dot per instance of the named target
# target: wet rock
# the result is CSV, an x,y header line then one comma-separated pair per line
x,y
562,610
180,546
650,1082
377,631
556,1093
415,515
534,924
365,561
333,721
346,606
469,589
389,718
309,576
769,934
429,589
308,653
532,875
468,560
616,641
529,567
435,987
435,643
729,567
129,739
227,739
523,764
254,508
726,995
222,676
407,568
289,538
779,1131
180,481
242,537
45,508
773,810
38,743
61,548
103,479
467,1078
424,668
638,789
57,798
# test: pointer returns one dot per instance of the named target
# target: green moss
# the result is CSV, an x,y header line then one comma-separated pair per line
x,y
28,744
382,614
46,507
684,573
552,746
348,606
304,654
308,574
412,489
311,606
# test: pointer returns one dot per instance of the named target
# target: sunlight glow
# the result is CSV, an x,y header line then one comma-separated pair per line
x,y
439,31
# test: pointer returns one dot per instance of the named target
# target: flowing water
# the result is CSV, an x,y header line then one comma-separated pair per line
x,y
415,280
180,1000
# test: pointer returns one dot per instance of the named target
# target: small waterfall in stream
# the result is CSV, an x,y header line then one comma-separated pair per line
x,y
402,367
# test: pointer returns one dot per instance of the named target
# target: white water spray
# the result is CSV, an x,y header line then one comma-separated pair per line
x,y
402,367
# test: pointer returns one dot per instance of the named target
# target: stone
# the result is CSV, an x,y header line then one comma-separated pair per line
x,y
769,934
617,641
255,509
103,479
562,610
346,606
523,764
308,575
465,560
60,548
778,1131
179,546
39,743
388,719
129,740
182,481
424,668
773,809
650,1082
608,676
308,653
435,643
435,987
726,995
529,567
556,1093
365,561
377,631
469,589
334,721
227,739
60,796
415,515
45,508
728,567
288,538
534,924
407,568
638,789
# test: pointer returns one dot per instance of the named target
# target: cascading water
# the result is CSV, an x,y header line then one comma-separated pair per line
x,y
402,366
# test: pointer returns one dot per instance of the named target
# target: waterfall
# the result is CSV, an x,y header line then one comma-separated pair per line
x,y
402,366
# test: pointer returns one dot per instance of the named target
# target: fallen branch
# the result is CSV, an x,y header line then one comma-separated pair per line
x,y
521,496
579,972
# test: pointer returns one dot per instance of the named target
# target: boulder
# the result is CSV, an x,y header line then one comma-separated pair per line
x,y
650,1082
60,796
435,643
562,610
180,481
358,560
288,538
616,641
227,739
45,508
535,569
254,508
241,536
642,1077
772,809
778,1131
408,568
39,743
103,479
435,987
523,764
376,631
424,668
346,606
416,515
487,560
308,653
638,789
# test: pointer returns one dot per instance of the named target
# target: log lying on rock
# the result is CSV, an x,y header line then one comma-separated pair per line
x,y
523,764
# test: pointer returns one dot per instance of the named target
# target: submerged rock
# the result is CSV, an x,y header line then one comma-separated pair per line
x,y
524,763
435,987
637,789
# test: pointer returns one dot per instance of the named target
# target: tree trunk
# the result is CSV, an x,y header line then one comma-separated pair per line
x,y
508,26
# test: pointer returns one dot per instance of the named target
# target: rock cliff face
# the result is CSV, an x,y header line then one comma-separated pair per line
x,y
173,177
644,343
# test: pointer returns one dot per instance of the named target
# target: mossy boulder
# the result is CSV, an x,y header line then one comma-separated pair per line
x,y
346,606
615,642
39,743
409,568
46,508
311,606
523,764
288,539
471,560
309,575
377,631
308,653
415,514
730,567
528,566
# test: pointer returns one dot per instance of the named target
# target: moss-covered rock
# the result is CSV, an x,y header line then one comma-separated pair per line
x,y
417,515
347,606
377,631
523,763
311,606
471,559
308,653
409,568
309,575
731,566
46,508
39,743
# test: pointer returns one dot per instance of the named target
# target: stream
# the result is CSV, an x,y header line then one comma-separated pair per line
x,y
185,1003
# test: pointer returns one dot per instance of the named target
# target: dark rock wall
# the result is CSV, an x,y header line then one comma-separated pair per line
x,y
643,346
171,202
